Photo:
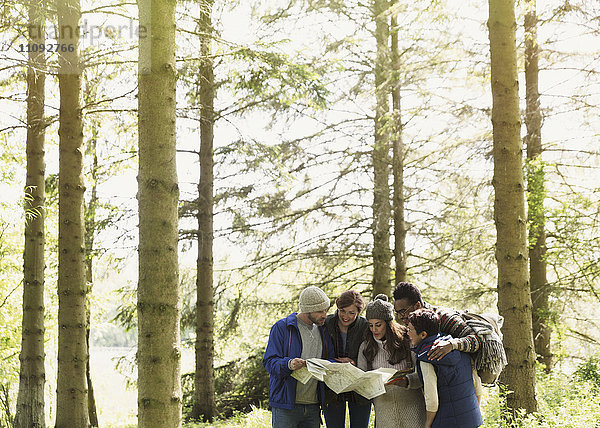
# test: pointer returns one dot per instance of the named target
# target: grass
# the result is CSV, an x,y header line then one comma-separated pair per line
x,y
563,402
257,418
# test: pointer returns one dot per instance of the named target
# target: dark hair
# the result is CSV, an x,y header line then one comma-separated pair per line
x,y
425,320
406,290
397,343
350,297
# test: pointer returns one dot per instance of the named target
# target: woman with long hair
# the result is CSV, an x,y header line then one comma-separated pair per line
x,y
386,344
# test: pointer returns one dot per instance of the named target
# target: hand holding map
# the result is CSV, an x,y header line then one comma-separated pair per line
x,y
344,377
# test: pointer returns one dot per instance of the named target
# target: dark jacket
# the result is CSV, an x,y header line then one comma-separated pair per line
x,y
356,331
458,405
284,345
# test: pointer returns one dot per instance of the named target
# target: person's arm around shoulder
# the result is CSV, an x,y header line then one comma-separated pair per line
x,y
430,392
275,360
463,338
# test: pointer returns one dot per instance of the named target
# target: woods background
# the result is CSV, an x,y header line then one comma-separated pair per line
x,y
190,166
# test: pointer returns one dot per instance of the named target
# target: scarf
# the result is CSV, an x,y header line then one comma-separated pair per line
x,y
491,356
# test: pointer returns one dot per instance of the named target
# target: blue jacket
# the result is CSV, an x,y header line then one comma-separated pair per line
x,y
284,345
458,405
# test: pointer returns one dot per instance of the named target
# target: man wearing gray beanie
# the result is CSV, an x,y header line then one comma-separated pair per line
x,y
292,341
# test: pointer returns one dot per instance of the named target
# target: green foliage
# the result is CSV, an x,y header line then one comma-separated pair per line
x,y
572,256
125,313
536,194
6,412
240,385
257,418
589,371
10,313
563,402
276,80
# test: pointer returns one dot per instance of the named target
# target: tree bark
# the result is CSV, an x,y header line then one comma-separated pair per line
x,y
204,382
397,160
381,157
159,305
514,298
71,401
32,375
540,292
90,226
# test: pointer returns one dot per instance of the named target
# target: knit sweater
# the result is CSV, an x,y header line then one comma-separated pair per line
x,y
464,338
398,407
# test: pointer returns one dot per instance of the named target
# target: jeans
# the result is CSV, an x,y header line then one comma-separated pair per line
x,y
335,415
301,416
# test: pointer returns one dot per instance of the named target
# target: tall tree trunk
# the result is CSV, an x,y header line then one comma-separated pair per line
x,y
90,226
397,159
514,298
30,400
204,386
71,399
540,291
381,153
159,305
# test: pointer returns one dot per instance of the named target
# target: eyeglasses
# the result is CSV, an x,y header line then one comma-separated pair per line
x,y
403,312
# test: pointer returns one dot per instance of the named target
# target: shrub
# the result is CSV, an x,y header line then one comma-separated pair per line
x,y
589,371
240,386
563,402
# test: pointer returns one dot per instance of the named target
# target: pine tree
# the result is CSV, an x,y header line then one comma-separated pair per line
x,y
158,305
90,227
381,156
514,299
397,157
71,401
30,400
540,289
204,380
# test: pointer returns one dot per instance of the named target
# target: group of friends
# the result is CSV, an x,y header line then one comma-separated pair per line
x,y
441,388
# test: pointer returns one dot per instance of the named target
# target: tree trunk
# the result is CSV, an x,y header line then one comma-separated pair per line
x,y
90,226
71,400
381,152
397,160
540,291
30,400
514,299
159,305
204,387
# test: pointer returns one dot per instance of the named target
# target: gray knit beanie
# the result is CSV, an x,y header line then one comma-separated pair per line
x,y
313,299
380,309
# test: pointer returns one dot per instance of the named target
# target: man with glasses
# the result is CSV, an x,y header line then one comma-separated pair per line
x,y
407,299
